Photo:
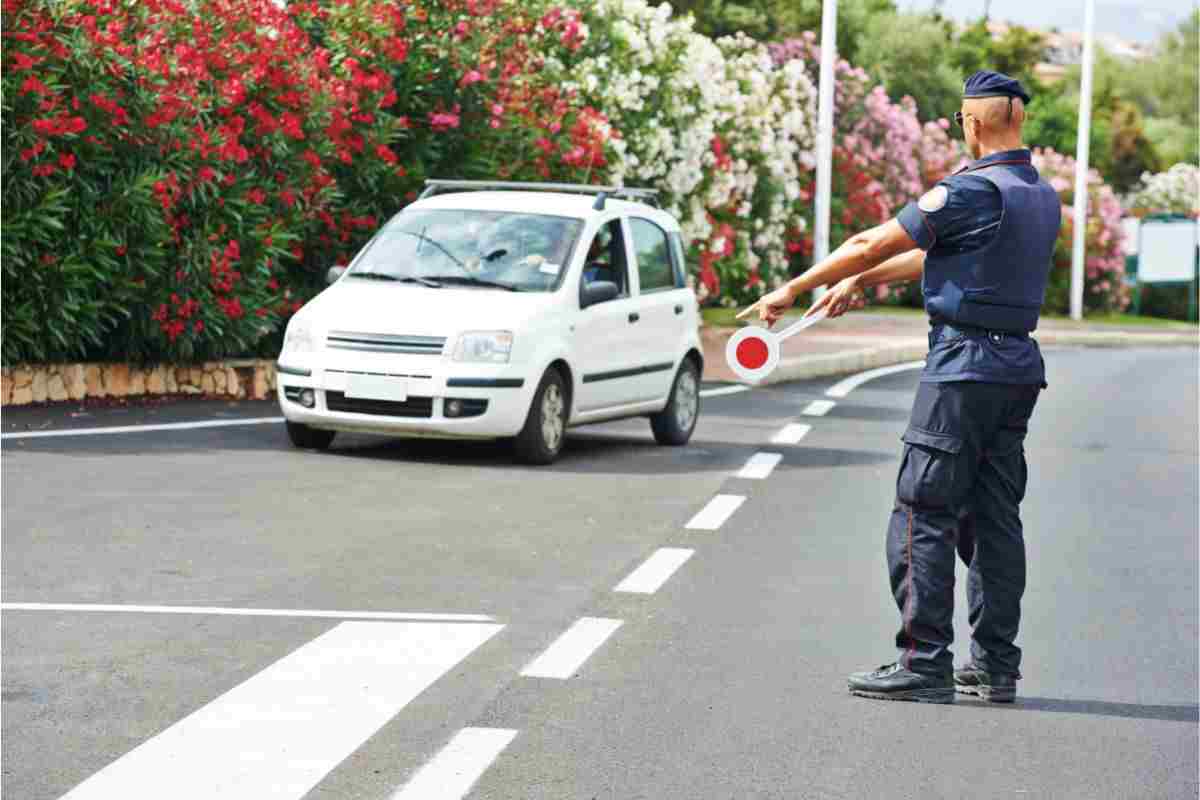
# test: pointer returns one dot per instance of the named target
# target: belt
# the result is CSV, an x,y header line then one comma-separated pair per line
x,y
946,330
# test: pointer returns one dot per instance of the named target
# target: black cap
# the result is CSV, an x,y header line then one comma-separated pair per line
x,y
986,83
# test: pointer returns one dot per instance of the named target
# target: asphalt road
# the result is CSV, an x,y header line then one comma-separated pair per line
x,y
726,682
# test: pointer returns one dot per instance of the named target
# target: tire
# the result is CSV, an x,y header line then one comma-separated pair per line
x,y
307,438
673,425
541,440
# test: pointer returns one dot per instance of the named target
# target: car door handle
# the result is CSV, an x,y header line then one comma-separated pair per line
x,y
634,316
679,309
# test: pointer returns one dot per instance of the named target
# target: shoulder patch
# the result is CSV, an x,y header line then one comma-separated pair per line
x,y
933,200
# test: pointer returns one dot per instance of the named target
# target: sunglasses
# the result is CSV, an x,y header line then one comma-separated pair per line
x,y
959,116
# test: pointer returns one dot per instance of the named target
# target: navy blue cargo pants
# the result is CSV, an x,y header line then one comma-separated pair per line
x,y
961,481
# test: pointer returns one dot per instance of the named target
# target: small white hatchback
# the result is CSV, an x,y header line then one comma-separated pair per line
x,y
498,310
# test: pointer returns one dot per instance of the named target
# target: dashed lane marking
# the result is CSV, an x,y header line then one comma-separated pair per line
x,y
818,408
456,768
568,652
760,466
278,734
791,433
713,515
655,571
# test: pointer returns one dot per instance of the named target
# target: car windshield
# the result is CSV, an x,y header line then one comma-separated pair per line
x,y
488,249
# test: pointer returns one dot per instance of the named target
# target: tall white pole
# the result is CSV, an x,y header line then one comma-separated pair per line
x,y
825,131
1081,164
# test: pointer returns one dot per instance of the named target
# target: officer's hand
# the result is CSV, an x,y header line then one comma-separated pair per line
x,y
771,306
844,295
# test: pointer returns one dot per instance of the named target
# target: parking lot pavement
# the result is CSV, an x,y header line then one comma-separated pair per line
x,y
202,611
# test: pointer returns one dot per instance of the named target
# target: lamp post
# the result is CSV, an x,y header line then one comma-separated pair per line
x,y
825,132
1081,163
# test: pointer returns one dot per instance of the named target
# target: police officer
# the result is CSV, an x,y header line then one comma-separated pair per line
x,y
981,241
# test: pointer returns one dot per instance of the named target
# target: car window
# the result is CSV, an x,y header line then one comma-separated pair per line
x,y
524,251
607,258
678,260
655,270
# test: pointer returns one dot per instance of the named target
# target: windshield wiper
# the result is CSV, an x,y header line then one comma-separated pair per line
x,y
383,276
471,281
422,237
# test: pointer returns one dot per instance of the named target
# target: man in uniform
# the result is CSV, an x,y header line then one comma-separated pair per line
x,y
981,241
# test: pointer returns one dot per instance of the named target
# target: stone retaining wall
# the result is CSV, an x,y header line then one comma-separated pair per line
x,y
38,383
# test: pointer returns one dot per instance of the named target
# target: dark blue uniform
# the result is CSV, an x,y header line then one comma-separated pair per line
x,y
989,234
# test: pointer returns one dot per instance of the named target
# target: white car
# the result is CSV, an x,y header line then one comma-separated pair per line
x,y
495,310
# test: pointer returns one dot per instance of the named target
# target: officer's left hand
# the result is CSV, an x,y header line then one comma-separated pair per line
x,y
842,297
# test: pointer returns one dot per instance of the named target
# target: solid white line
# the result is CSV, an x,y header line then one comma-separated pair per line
x,y
713,515
760,465
166,426
720,390
278,734
417,616
654,571
791,433
818,408
454,770
568,652
848,385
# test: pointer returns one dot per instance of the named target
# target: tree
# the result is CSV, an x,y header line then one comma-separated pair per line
x,y
908,54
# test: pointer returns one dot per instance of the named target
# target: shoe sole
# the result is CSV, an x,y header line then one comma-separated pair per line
x,y
988,693
942,696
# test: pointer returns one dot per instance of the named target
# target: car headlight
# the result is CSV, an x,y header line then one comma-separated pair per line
x,y
486,347
299,337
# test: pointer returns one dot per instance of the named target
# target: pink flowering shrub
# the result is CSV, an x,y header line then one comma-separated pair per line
x,y
1104,267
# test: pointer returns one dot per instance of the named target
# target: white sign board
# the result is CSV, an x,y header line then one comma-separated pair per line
x,y
1167,251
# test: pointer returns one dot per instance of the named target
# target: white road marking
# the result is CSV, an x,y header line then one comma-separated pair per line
x,y
568,652
454,770
791,433
713,515
409,616
818,408
845,387
720,390
279,733
655,570
760,465
166,426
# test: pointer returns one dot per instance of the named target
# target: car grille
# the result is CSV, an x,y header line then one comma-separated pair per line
x,y
421,407
386,343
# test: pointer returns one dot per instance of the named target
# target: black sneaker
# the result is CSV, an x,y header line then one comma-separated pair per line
x,y
995,687
894,682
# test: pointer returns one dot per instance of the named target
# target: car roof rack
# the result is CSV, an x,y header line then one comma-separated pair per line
x,y
435,186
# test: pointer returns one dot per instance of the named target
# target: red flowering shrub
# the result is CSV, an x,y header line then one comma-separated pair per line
x,y
177,176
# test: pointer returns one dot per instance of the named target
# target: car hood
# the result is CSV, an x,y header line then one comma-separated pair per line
x,y
408,309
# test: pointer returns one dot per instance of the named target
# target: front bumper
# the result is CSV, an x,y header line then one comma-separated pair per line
x,y
499,396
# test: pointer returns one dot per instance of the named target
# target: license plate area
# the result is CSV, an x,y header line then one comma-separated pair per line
x,y
377,387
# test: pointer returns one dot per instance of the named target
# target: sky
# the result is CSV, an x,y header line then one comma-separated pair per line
x,y
1139,20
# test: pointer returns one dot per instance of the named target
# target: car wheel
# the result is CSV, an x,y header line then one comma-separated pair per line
x,y
541,440
308,438
675,423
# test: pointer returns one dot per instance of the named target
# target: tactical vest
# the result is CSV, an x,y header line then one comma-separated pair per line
x,y
1002,285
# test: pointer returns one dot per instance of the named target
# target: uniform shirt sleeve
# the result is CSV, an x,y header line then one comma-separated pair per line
x,y
967,220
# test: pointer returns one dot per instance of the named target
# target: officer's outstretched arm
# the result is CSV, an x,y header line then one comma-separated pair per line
x,y
897,269
859,253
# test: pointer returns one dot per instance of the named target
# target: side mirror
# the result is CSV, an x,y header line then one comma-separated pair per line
x,y
598,292
334,273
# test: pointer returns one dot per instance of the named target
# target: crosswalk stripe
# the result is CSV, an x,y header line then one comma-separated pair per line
x,y
454,770
276,735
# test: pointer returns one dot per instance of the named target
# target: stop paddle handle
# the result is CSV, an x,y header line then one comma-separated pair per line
x,y
753,352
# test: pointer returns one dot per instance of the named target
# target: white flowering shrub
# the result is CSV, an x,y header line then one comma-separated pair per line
x,y
718,127
1176,191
